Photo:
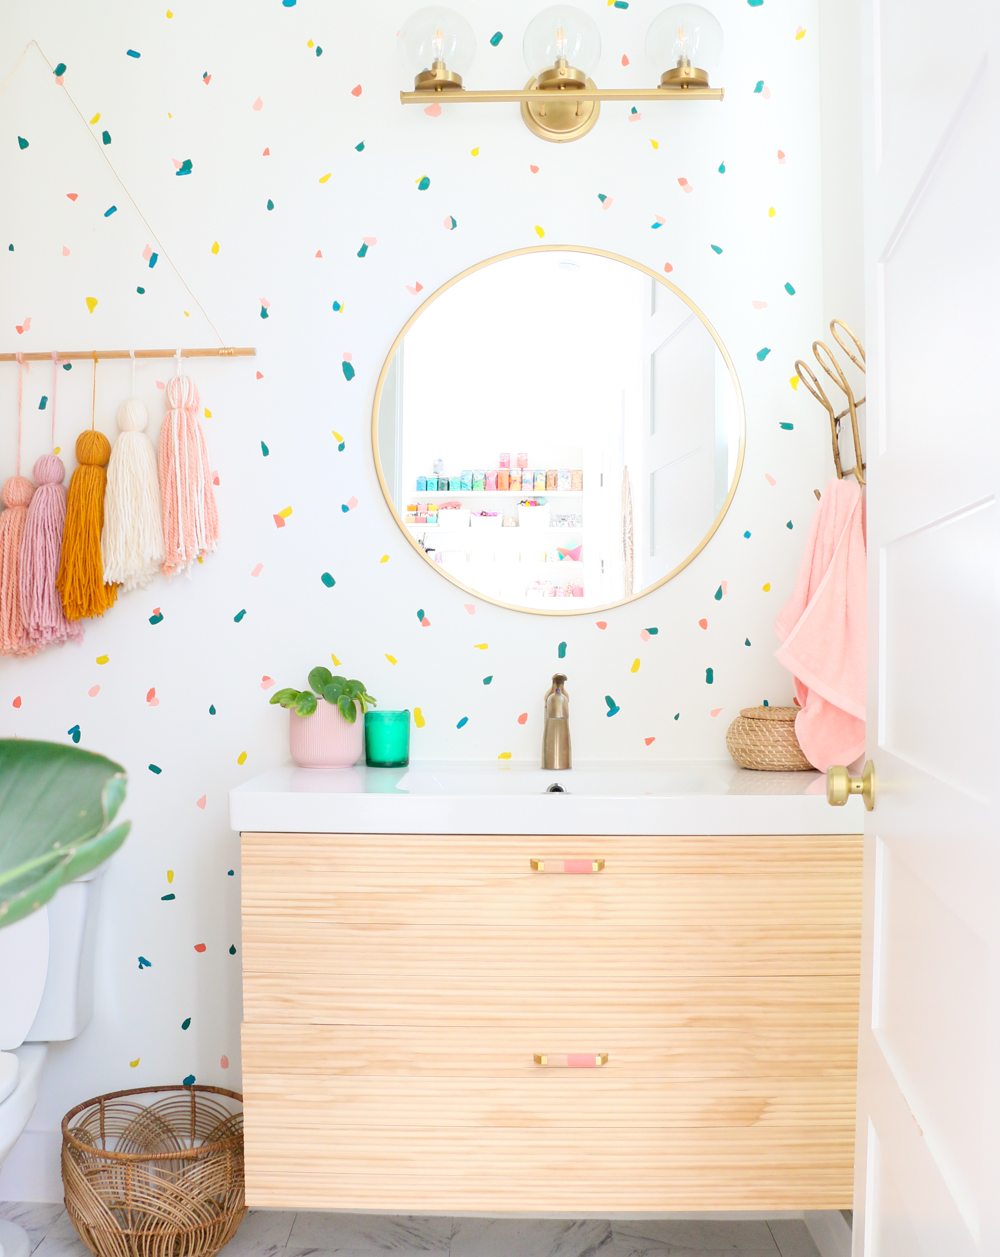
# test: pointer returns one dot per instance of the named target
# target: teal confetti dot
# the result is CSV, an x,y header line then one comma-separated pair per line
x,y
185,167
231,873
344,507
164,897
420,616
722,168
787,427
263,312
140,291
424,184
655,226
232,949
747,642
132,53
106,137
328,580
155,257
185,1023
747,534
678,716
562,650
789,524
270,204
613,708
495,39
341,446
60,70
360,148
652,631
762,354
43,403
621,4
451,224
264,450
319,51
634,110
155,619
11,247
239,615
759,88
601,197
337,305
462,723
790,290
348,370
155,768
288,4
111,210
709,676
144,963
74,733
487,680
765,703
755,4
716,249
211,710
362,251
189,1080
718,594
22,143
66,366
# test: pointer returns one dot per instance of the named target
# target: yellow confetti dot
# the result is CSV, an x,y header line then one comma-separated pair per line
x,y
95,118
421,179
392,658
200,559
635,665
208,413
310,44
794,382
286,512
504,755
169,115
655,143
767,588
384,558
418,718
137,1059
481,646
337,435
187,314
215,247
170,13
336,661
58,449
170,875
475,152
324,178
539,232
771,212
91,304
800,34
241,758
102,658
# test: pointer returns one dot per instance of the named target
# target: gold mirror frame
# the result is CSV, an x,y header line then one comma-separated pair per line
x,y
560,610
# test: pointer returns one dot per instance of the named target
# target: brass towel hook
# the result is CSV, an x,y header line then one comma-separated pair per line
x,y
832,368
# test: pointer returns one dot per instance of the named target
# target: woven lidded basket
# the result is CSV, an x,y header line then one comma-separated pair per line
x,y
155,1172
764,738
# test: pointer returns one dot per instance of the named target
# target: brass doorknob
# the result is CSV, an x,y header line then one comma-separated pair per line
x,y
840,785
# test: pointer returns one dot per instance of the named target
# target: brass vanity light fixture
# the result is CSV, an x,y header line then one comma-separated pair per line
x,y
562,46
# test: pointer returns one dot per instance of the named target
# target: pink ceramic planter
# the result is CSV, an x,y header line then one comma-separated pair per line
x,y
325,739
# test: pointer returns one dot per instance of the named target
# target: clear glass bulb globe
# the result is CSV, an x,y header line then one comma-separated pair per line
x,y
685,32
436,34
562,33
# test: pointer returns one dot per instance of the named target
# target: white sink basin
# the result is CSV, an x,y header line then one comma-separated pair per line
x,y
685,797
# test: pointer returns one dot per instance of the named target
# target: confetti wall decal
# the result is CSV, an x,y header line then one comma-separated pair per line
x,y
495,39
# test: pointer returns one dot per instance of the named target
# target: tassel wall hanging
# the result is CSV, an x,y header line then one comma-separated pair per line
x,y
16,494
132,541
41,607
190,518
81,571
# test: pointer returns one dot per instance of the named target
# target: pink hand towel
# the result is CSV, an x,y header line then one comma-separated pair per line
x,y
823,629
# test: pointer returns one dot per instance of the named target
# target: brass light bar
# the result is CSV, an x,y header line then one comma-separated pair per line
x,y
542,96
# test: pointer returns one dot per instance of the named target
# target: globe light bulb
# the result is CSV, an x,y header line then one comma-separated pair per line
x,y
436,46
562,33
685,45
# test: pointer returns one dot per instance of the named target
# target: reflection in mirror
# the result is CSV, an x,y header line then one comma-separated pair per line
x,y
558,430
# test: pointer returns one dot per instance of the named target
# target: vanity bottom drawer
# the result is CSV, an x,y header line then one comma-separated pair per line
x,y
465,1119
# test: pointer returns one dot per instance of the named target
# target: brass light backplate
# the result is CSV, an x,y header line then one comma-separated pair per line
x,y
438,79
684,75
559,118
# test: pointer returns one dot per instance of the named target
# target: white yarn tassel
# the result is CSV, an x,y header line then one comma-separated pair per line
x,y
132,540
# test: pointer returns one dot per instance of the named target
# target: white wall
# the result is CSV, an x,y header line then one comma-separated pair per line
x,y
158,108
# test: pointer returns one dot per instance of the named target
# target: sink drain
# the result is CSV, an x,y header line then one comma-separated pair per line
x,y
556,788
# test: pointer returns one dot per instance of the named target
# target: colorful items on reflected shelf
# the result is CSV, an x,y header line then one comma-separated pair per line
x,y
503,479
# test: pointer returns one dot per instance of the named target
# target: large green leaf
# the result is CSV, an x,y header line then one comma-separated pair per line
x,y
56,803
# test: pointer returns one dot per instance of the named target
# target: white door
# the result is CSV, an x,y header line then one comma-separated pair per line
x,y
928,1170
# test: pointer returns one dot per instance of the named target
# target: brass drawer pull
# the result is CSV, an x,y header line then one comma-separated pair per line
x,y
567,866
571,1060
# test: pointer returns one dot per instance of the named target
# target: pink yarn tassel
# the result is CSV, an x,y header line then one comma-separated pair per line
x,y
16,494
190,516
41,606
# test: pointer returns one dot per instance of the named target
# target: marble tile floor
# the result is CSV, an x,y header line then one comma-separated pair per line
x,y
267,1233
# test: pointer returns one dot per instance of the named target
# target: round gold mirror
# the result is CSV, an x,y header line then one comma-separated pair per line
x,y
558,430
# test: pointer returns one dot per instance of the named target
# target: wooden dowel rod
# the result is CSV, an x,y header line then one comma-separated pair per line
x,y
83,355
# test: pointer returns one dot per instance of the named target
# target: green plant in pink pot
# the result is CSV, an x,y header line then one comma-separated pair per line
x,y
324,729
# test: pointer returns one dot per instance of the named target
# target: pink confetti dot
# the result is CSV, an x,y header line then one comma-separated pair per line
x,y
352,503
602,624
767,96
257,570
267,151
470,607
770,479
725,588
433,111
16,702
356,91
425,623
644,634
159,384
224,1062
65,252
72,195
523,718
93,691
199,946
685,185
258,105
781,158
624,59
649,741
668,267
260,375
370,241
202,801
266,682
151,698
716,710
147,252
703,623
533,169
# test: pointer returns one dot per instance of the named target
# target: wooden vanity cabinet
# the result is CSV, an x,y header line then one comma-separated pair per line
x,y
424,1017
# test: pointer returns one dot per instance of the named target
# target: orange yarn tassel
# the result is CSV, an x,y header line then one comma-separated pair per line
x,y
81,573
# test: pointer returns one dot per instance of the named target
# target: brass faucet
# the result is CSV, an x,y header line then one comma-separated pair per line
x,y
556,750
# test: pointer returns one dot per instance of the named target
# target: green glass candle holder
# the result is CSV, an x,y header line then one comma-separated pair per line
x,y
387,739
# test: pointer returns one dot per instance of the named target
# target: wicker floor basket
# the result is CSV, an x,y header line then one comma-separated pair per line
x,y
764,738
155,1172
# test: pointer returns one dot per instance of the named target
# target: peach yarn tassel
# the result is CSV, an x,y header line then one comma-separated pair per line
x,y
81,571
16,494
190,516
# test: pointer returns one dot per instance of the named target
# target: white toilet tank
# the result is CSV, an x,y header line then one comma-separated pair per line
x,y
68,997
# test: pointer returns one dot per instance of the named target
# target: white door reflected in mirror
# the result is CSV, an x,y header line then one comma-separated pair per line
x,y
558,430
